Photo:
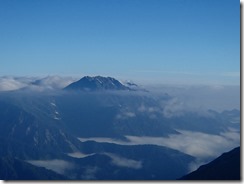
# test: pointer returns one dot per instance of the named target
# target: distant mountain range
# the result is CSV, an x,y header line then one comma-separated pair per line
x,y
97,83
225,167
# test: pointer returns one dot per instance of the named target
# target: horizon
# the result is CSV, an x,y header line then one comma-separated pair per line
x,y
216,97
159,41
120,79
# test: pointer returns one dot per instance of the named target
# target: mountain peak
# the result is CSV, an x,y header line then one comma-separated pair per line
x,y
97,83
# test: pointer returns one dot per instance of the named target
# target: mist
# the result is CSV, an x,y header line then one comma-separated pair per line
x,y
215,97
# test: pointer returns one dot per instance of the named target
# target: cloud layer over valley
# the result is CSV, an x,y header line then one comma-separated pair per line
x,y
202,146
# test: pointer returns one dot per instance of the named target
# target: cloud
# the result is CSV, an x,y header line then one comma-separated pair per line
x,y
58,166
197,144
11,83
126,115
195,165
142,108
79,155
173,107
124,162
202,146
202,97
90,173
150,110
54,82
8,83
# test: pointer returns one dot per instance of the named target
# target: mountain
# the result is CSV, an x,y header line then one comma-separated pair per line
x,y
97,83
106,135
225,167
134,162
42,131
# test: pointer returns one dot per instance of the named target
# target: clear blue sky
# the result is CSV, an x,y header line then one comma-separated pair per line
x,y
161,41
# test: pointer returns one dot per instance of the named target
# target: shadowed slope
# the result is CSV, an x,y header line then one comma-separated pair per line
x,y
225,167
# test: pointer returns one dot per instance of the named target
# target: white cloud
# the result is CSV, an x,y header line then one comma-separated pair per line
x,y
124,162
58,166
204,97
200,145
10,83
79,155
142,108
197,144
125,115
130,114
54,82
195,165
173,107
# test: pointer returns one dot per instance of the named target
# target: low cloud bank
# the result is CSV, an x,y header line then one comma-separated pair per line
x,y
8,83
216,97
197,144
124,162
54,82
202,146
58,166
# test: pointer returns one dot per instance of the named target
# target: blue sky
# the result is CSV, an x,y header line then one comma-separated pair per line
x,y
153,41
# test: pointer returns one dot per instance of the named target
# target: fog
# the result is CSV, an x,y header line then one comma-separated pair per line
x,y
213,97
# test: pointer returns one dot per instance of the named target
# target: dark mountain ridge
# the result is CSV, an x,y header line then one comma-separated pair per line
x,y
225,167
97,83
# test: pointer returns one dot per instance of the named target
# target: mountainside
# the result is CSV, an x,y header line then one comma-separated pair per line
x,y
112,134
96,84
43,131
136,162
225,167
